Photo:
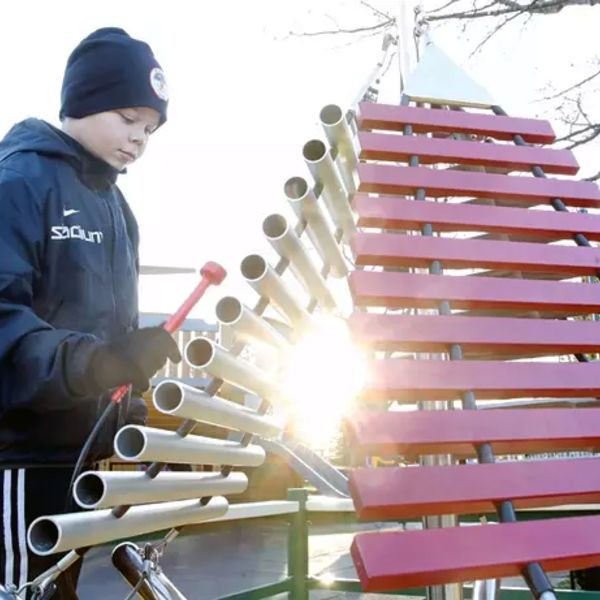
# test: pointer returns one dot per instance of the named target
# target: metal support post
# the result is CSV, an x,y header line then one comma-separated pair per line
x,y
298,546
452,591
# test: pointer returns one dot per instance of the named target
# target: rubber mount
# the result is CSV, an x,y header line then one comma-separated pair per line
x,y
214,272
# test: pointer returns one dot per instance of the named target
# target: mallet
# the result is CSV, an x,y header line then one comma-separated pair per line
x,y
212,274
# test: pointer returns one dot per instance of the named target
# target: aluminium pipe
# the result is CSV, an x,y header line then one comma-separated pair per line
x,y
179,400
102,489
288,245
59,533
266,282
339,136
147,444
323,169
487,589
247,326
202,353
229,391
306,206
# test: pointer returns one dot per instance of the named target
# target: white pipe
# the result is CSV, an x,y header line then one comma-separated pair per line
x,y
266,282
248,326
488,589
339,137
202,353
253,510
147,444
180,400
229,391
335,195
329,504
59,533
287,244
306,206
102,489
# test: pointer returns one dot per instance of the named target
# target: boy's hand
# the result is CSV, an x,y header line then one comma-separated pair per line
x,y
133,358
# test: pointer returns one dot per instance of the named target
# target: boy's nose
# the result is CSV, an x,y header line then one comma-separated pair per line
x,y
137,137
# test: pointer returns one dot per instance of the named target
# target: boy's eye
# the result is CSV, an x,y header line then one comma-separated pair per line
x,y
127,119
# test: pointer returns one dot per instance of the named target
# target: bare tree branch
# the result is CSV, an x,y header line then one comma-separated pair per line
x,y
580,128
572,87
378,26
443,7
332,19
376,11
593,177
572,134
582,112
532,6
594,133
494,31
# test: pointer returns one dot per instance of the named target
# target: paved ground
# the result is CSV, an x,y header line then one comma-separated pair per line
x,y
230,557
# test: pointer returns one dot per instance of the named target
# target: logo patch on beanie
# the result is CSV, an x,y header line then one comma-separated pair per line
x,y
158,82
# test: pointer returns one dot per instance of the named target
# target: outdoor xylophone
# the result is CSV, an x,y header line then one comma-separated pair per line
x,y
458,251
498,302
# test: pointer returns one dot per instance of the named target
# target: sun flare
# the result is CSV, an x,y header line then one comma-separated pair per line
x,y
323,374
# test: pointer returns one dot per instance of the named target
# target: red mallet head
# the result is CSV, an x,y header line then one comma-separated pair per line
x,y
213,272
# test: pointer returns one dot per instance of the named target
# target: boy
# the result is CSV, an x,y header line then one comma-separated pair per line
x,y
68,279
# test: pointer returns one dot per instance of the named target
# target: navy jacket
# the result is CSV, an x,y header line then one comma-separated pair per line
x,y
68,280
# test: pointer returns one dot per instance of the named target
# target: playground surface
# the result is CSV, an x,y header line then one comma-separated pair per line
x,y
221,559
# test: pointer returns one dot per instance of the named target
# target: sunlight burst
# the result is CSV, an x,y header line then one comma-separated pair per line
x,y
324,373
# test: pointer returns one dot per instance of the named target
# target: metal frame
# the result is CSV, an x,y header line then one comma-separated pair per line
x,y
299,583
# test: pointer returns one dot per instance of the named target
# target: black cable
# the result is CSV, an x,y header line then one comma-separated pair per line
x,y
81,460
85,450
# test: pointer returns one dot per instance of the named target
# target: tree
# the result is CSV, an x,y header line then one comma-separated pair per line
x,y
572,100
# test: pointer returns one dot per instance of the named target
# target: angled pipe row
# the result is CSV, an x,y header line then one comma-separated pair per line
x,y
172,499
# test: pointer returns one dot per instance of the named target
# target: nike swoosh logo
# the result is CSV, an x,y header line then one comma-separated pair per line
x,y
67,212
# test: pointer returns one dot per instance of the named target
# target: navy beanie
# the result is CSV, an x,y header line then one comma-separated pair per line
x,y
110,70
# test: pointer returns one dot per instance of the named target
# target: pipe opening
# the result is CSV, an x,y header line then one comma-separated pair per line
x,y
168,396
331,114
43,535
253,267
229,310
314,150
275,226
295,188
199,352
130,442
89,490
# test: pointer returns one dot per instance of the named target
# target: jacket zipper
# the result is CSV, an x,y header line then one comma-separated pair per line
x,y
112,244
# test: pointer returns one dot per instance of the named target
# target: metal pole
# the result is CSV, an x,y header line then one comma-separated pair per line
x,y
298,546
534,575
557,204
453,591
406,25
406,59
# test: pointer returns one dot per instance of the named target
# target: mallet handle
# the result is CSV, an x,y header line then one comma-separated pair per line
x,y
174,322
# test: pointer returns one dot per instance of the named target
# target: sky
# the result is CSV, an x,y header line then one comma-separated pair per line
x,y
245,97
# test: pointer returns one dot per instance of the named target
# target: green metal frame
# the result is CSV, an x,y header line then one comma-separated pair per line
x,y
299,583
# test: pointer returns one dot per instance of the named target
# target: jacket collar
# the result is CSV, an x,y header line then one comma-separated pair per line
x,y
94,172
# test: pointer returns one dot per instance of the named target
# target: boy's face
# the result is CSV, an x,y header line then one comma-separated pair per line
x,y
118,137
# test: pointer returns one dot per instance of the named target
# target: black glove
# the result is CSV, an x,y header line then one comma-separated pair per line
x,y
137,411
133,358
